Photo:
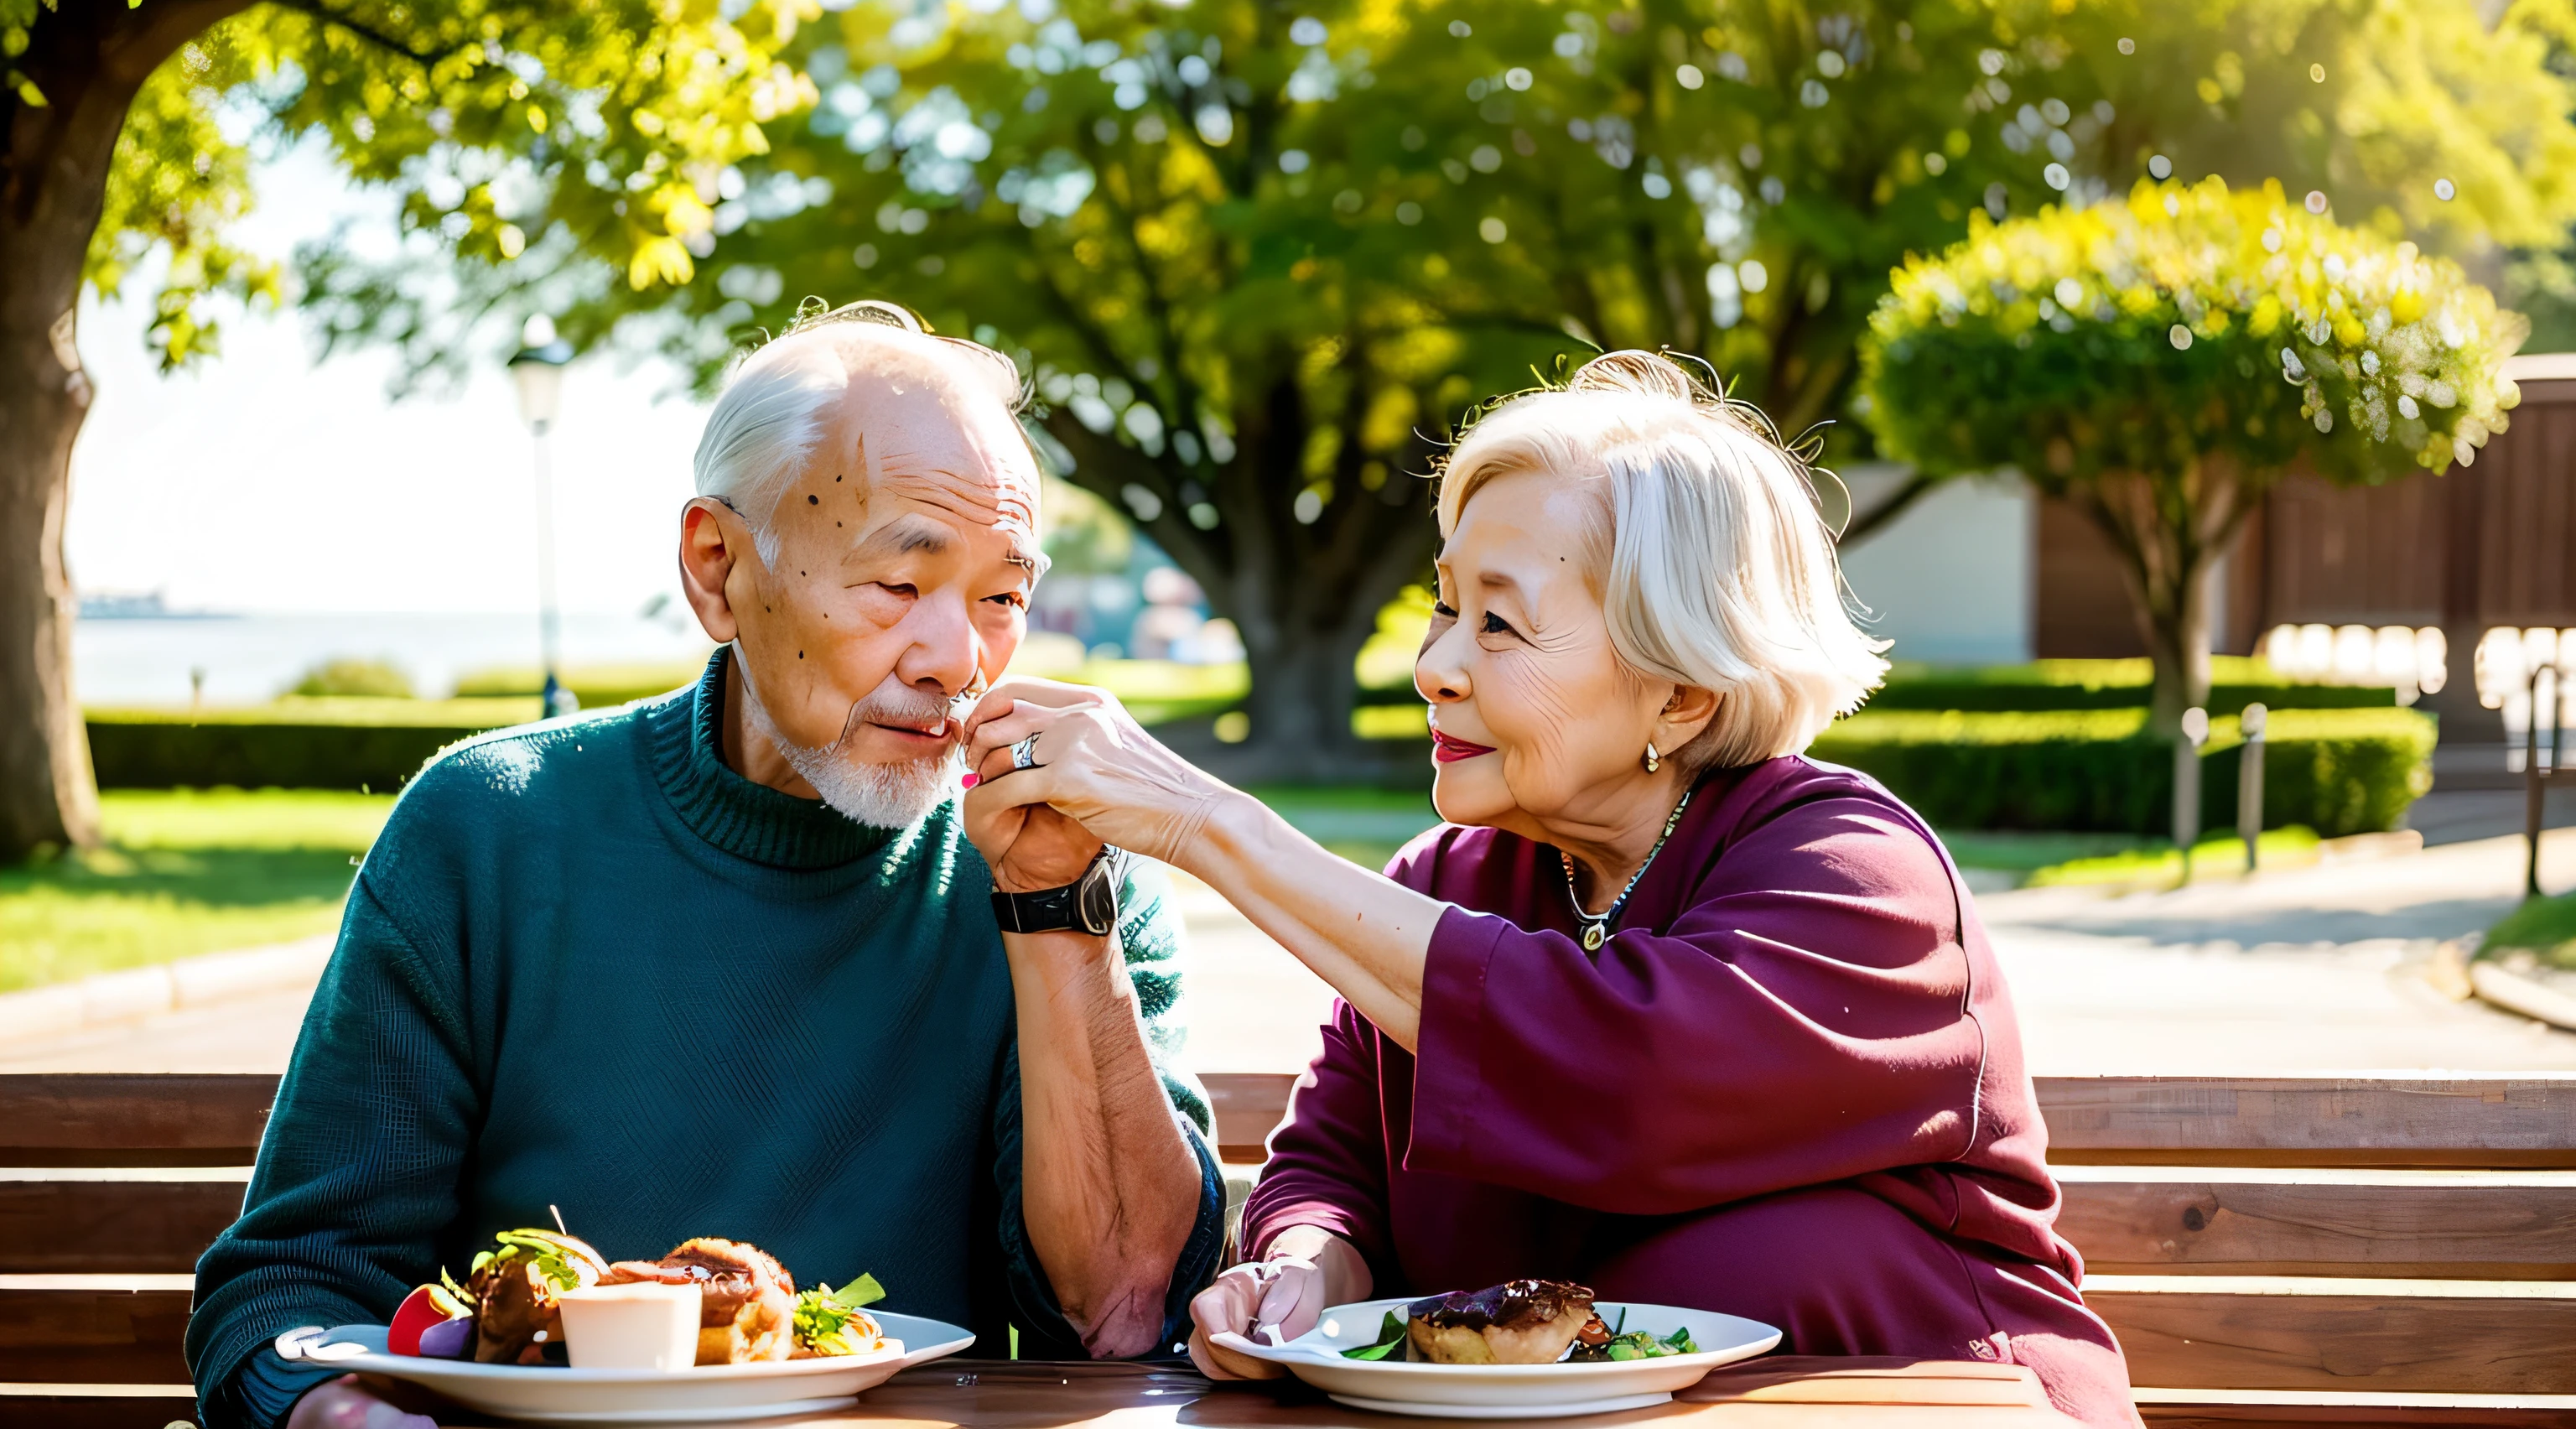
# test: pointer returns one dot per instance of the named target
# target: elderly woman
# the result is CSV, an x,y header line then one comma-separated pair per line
x,y
1665,1007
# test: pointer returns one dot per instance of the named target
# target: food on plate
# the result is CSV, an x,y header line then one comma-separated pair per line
x,y
1599,1343
748,1310
434,1320
1390,1339
513,1290
830,1322
642,1324
1516,1322
740,1304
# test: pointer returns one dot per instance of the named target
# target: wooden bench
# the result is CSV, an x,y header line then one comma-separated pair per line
x,y
2353,1251
2317,1250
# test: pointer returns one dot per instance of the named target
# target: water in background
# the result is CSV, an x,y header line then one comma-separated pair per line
x,y
249,658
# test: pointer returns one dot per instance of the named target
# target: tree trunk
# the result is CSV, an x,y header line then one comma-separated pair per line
x,y
2170,532
87,61
2178,645
1305,597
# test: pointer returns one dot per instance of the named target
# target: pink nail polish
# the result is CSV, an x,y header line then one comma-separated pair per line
x,y
971,780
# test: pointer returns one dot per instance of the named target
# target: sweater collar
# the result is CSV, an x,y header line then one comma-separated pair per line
x,y
748,820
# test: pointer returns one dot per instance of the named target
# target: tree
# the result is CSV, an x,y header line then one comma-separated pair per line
x,y
1262,258
2161,362
114,150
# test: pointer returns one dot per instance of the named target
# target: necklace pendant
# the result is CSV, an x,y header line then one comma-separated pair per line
x,y
1592,937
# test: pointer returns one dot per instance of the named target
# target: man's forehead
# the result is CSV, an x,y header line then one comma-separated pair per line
x,y
902,526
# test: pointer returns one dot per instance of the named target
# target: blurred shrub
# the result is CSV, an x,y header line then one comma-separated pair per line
x,y
2236,681
2336,771
320,744
347,675
596,686
1386,678
2544,927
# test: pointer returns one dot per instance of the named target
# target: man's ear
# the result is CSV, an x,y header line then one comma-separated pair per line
x,y
711,538
1684,716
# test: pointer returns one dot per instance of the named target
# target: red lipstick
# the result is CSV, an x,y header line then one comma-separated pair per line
x,y
1449,749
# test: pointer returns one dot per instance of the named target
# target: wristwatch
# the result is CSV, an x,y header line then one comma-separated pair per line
x,y
1089,904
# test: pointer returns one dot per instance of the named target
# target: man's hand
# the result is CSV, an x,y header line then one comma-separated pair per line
x,y
347,1403
1029,846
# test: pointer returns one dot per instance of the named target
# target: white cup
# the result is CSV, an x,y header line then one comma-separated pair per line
x,y
637,1326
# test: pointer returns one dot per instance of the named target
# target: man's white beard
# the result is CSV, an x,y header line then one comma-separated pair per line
x,y
887,796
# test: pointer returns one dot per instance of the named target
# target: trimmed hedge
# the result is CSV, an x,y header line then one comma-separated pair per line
x,y
2336,771
293,744
596,686
1966,692
2236,681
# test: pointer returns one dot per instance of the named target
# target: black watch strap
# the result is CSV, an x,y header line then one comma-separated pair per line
x,y
1089,904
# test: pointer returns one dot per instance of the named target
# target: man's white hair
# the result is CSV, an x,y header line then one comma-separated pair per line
x,y
764,428
1714,567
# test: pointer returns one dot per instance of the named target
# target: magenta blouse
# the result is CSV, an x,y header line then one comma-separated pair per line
x,y
1789,1085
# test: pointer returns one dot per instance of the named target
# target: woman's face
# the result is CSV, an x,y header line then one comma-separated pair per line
x,y
1533,716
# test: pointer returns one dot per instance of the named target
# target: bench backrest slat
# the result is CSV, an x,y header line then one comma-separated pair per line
x,y
2510,1225
141,1119
2520,1120
141,1222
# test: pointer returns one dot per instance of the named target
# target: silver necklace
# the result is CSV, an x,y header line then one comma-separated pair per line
x,y
1596,926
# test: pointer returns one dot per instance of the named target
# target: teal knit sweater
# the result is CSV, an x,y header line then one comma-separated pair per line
x,y
589,966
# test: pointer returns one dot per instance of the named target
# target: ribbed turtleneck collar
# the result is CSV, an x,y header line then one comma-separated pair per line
x,y
752,821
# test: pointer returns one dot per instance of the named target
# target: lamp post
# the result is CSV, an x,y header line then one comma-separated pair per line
x,y
2249,784
537,369
2537,775
2186,787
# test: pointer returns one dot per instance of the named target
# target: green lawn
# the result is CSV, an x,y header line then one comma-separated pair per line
x,y
185,872
2156,864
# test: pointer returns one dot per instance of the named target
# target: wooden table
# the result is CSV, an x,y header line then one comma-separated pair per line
x,y
1779,1392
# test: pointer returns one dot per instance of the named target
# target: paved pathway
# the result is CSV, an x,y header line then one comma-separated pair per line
x,y
2313,969
2303,970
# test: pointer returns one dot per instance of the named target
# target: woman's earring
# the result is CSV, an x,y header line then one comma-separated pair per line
x,y
1654,761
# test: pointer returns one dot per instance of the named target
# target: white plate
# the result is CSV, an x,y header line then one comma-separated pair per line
x,y
1524,1391
704,1395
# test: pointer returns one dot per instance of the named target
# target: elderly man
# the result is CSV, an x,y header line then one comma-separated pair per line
x,y
727,963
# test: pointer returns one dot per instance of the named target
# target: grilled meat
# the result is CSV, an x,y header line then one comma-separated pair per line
x,y
1516,1322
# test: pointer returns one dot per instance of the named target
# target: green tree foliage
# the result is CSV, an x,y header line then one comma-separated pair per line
x,y
1261,258
128,131
351,675
2161,362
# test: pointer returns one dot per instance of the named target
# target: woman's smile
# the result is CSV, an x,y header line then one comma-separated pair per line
x,y
1449,748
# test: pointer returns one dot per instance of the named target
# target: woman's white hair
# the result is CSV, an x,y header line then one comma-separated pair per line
x,y
774,408
1714,566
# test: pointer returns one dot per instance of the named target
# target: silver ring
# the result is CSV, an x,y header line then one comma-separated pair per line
x,y
1024,755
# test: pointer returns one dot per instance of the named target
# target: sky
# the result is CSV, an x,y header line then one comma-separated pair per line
x,y
260,481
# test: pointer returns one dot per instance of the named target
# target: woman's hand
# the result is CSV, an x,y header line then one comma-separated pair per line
x,y
1028,846
1258,1300
1367,936
1275,1300
348,1403
1094,764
